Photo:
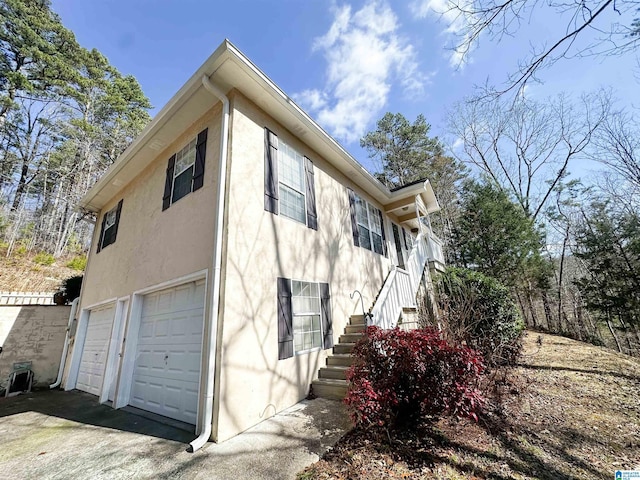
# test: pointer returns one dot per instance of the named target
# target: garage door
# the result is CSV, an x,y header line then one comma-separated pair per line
x,y
166,375
96,347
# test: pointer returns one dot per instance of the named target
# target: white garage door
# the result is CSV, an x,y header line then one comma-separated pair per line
x,y
96,348
166,375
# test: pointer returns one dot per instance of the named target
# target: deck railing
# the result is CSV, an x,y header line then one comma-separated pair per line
x,y
401,286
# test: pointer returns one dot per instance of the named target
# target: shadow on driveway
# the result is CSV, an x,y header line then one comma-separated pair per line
x,y
84,408
59,435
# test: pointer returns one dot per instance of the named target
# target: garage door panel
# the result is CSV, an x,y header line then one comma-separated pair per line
x,y
94,353
167,370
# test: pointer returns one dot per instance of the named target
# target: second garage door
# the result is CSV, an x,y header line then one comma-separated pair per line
x,y
166,375
95,350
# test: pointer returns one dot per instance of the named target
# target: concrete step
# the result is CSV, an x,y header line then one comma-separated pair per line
x,y
355,329
335,372
356,319
342,359
330,388
350,337
343,347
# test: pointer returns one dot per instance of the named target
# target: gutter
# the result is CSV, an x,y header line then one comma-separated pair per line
x,y
207,414
72,316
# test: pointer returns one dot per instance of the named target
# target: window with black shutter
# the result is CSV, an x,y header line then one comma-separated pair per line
x,y
109,229
367,224
304,317
289,183
185,170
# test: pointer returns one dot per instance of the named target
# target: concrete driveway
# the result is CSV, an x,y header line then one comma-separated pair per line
x,y
61,435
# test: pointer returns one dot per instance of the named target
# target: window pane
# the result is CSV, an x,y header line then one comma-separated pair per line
x,y
374,220
182,184
317,339
363,234
292,204
290,167
110,219
361,212
185,158
377,243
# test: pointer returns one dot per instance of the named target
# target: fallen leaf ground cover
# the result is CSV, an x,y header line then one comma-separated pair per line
x,y
568,410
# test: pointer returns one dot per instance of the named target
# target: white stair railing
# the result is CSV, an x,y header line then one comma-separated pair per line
x,y
401,286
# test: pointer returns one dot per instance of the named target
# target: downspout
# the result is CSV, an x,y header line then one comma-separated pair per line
x,y
72,316
204,436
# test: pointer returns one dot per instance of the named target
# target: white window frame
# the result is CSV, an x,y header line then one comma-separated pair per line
x,y
295,314
182,153
369,227
281,147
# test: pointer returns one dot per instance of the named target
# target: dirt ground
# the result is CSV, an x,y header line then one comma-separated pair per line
x,y
569,410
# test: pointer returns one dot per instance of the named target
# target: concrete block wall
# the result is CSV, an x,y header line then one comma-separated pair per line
x,y
32,333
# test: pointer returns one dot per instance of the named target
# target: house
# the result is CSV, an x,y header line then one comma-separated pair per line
x,y
230,238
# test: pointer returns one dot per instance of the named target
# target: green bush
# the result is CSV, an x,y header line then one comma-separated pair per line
x,y
78,263
71,287
480,311
44,258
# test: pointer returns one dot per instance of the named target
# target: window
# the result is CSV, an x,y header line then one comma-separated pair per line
x,y
185,171
291,183
109,229
304,317
368,225
307,329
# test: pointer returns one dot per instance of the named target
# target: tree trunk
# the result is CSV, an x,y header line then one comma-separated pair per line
x,y
613,334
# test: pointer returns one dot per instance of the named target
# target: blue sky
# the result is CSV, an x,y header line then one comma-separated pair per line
x,y
345,62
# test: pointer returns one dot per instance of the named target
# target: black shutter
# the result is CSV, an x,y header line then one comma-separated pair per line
x,y
285,319
168,183
312,215
354,222
270,171
404,238
104,221
384,237
327,322
201,153
115,227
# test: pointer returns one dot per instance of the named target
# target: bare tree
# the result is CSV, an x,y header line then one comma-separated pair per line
x,y
617,145
525,146
589,27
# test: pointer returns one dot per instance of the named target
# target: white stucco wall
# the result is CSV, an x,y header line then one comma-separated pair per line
x,y
253,383
33,333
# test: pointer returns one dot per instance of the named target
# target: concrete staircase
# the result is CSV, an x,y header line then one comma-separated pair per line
x,y
332,382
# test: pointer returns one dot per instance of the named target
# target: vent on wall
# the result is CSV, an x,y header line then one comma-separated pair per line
x,y
156,145
299,130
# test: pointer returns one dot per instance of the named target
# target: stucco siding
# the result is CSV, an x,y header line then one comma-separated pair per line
x,y
152,245
262,246
33,333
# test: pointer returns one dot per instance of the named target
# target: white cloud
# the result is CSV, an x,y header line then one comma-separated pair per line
x,y
454,31
365,54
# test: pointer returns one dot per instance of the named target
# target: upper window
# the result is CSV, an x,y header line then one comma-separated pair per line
x,y
109,229
307,328
291,183
185,171
369,223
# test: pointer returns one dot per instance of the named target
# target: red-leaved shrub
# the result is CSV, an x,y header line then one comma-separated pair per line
x,y
403,378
